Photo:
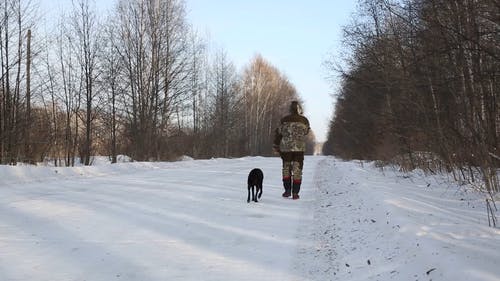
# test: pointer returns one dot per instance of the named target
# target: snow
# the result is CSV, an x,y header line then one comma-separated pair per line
x,y
189,220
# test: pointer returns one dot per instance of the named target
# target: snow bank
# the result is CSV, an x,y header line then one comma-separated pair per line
x,y
371,225
101,167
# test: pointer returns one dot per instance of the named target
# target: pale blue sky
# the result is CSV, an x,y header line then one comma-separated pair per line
x,y
296,36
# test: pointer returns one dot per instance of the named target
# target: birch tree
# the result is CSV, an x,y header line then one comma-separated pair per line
x,y
266,96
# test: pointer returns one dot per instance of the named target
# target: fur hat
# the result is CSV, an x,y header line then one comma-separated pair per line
x,y
295,107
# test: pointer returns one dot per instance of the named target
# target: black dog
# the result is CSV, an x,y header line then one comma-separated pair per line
x,y
255,179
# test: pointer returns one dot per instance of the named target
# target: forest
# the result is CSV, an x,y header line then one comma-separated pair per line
x,y
137,81
420,88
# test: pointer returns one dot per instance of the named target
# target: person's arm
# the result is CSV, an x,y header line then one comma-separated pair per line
x,y
308,126
277,140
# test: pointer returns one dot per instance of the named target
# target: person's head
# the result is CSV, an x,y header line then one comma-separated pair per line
x,y
295,107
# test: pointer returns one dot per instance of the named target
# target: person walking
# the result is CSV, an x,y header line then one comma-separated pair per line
x,y
290,143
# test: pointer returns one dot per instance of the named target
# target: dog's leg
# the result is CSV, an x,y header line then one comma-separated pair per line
x,y
248,198
254,195
259,189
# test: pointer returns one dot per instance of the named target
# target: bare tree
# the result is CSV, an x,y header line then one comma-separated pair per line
x,y
61,83
197,87
267,94
113,85
87,40
16,20
224,109
154,51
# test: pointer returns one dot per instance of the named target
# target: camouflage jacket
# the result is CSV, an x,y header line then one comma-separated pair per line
x,y
291,134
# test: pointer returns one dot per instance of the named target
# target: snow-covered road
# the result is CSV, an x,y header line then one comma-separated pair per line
x,y
190,220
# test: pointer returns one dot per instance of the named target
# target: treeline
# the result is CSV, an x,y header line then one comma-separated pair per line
x,y
138,81
422,88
